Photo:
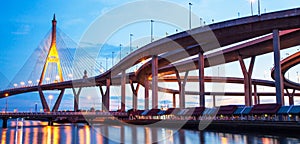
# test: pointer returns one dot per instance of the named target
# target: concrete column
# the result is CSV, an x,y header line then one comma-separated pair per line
x,y
107,95
58,101
123,90
135,95
255,94
201,79
154,81
291,96
181,90
43,100
247,79
4,122
146,93
174,100
76,98
214,100
278,73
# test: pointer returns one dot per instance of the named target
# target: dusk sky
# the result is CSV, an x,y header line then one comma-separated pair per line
x,y
24,25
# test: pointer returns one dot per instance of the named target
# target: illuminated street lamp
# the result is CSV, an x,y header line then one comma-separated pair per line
x,y
22,83
15,85
70,75
50,98
29,82
6,103
47,79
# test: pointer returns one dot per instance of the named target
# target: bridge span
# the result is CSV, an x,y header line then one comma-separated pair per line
x,y
276,31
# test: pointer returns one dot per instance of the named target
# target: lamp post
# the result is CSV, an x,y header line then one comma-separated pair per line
x,y
251,4
190,15
50,98
106,63
112,59
120,51
130,46
258,7
6,103
151,22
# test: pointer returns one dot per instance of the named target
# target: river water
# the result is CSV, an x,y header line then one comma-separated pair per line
x,y
35,132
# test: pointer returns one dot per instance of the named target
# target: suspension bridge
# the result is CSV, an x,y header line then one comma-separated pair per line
x,y
53,66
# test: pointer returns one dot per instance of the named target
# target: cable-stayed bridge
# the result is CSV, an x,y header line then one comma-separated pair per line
x,y
55,67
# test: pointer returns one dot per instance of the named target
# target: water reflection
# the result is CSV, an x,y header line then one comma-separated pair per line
x,y
33,132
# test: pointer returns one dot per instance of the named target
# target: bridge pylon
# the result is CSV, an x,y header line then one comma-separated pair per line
x,y
52,56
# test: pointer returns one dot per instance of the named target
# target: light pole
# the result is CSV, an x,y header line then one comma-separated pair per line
x,y
6,103
258,7
112,59
251,4
50,98
190,19
130,37
106,63
151,21
120,51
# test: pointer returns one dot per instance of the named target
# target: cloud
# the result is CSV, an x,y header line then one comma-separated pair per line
x,y
23,29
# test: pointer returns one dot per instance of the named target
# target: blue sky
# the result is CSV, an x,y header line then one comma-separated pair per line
x,y
25,23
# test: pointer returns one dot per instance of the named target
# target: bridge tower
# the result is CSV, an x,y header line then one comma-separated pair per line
x,y
52,56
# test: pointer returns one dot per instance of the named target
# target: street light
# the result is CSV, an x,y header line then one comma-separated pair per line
x,y
50,98
130,37
22,83
120,51
106,63
151,21
112,59
6,104
258,7
29,82
190,6
70,75
251,4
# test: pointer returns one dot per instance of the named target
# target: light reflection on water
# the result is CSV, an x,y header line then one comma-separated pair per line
x,y
34,132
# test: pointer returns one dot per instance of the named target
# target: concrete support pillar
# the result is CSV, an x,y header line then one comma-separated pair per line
x,y
214,100
135,95
181,86
58,101
155,81
174,100
146,82
43,100
123,90
278,73
106,97
291,96
201,79
50,122
247,79
255,95
4,122
76,98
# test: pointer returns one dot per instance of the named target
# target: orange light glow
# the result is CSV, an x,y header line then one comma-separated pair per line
x,y
6,94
